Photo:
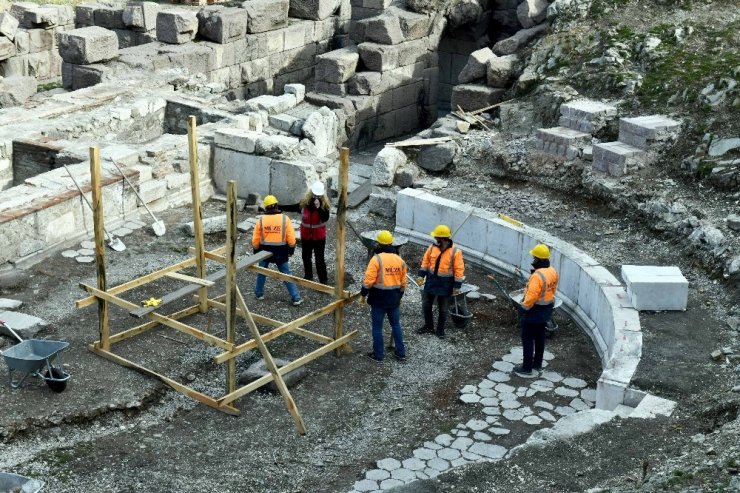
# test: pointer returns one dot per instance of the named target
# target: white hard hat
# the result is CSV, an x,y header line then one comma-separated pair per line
x,y
318,188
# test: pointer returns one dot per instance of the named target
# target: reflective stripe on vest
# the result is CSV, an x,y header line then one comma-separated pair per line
x,y
273,243
451,266
379,284
542,301
313,226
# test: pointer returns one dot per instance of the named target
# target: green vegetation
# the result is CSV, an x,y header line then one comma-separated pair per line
x,y
48,86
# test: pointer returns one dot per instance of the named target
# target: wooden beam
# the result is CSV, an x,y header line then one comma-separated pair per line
x,y
229,398
122,288
162,319
269,362
310,317
140,312
99,228
419,142
190,279
214,303
341,236
316,286
183,389
200,258
230,281
140,329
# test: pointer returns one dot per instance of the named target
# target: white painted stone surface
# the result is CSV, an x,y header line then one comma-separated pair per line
x,y
656,287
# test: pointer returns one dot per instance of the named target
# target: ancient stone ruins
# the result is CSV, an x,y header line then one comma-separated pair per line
x,y
276,89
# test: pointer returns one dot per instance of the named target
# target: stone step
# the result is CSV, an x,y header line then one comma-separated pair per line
x,y
642,131
616,158
585,115
562,141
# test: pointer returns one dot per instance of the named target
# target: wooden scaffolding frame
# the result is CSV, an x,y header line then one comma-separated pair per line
x,y
232,302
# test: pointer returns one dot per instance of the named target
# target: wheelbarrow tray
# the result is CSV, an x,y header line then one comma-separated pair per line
x,y
16,482
518,296
31,355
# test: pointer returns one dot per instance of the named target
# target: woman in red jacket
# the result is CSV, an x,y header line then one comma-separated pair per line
x,y
315,208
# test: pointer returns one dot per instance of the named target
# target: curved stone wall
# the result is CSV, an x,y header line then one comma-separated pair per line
x,y
591,295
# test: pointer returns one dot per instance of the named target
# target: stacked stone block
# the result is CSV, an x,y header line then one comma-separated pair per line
x,y
28,39
134,23
636,136
578,121
334,69
81,49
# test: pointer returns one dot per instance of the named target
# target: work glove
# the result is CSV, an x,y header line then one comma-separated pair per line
x,y
455,292
257,250
420,281
362,300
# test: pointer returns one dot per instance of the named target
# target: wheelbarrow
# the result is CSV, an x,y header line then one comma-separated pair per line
x,y
459,312
37,358
17,483
551,326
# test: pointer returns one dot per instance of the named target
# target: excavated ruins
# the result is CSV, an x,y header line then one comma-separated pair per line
x,y
460,112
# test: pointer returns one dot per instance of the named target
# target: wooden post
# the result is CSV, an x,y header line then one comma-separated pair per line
x,y
231,281
99,228
200,259
341,236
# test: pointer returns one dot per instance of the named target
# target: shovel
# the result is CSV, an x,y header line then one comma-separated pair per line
x,y
157,226
113,242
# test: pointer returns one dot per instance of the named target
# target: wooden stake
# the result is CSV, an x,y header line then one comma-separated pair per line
x,y
200,259
270,364
98,217
341,237
230,281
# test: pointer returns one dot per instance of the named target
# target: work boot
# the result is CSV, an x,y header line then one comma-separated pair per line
x,y
400,358
297,301
441,334
372,356
424,330
519,370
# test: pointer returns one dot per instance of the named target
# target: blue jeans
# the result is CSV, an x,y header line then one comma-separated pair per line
x,y
259,288
394,318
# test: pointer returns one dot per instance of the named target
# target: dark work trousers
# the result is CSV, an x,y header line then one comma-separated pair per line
x,y
307,248
443,306
533,344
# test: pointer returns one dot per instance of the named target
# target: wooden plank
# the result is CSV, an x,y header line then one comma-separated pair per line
x,y
252,386
200,258
316,286
215,254
310,317
269,362
341,237
121,288
183,389
190,279
140,312
162,319
487,108
420,142
230,281
140,329
99,228
214,303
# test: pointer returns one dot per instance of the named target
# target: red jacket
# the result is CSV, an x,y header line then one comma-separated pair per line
x,y
313,223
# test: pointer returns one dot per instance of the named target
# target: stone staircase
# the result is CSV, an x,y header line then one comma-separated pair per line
x,y
636,136
578,121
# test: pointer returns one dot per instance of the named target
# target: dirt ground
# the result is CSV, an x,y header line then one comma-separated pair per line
x,y
116,430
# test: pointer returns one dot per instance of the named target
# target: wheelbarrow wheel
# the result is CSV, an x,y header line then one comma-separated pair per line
x,y
57,373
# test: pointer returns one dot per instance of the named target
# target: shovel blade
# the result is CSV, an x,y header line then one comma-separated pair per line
x,y
159,228
116,244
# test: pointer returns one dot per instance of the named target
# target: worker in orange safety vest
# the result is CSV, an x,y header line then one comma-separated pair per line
x,y
274,233
384,285
535,310
442,273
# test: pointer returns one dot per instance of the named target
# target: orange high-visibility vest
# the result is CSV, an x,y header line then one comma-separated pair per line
x,y
386,271
541,288
273,230
450,264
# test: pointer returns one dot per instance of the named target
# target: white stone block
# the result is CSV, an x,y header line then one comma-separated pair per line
x,y
504,242
609,393
236,139
252,173
651,406
405,207
656,287
289,180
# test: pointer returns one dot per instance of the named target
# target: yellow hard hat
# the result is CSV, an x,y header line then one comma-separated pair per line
x,y
441,231
540,251
384,237
270,200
